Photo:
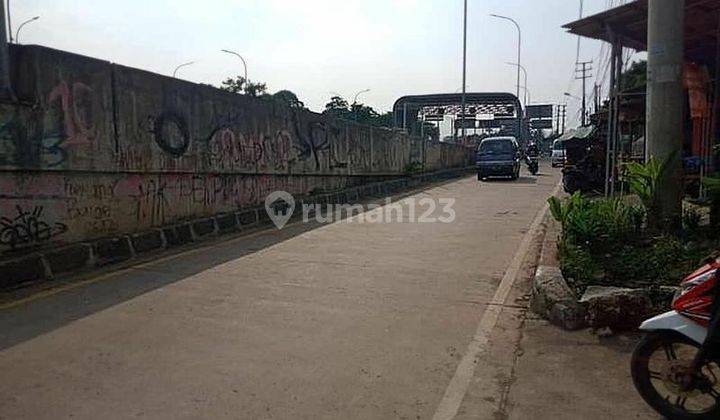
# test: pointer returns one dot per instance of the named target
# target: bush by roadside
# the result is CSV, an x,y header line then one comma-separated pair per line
x,y
607,242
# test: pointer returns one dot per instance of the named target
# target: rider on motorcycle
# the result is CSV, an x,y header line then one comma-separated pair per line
x,y
532,151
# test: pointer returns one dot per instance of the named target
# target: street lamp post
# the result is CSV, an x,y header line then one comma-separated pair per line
x,y
241,59
358,94
17,34
464,75
569,95
9,21
181,66
528,99
526,77
519,47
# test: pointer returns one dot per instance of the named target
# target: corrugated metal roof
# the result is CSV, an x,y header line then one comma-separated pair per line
x,y
629,24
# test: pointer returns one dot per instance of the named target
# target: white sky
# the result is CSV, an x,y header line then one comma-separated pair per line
x,y
315,47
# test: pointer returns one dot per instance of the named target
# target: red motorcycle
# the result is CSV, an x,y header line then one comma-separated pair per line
x,y
676,365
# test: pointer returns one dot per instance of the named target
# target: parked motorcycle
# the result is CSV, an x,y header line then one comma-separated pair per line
x,y
675,368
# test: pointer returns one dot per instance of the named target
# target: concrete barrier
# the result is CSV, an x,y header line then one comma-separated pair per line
x,y
96,150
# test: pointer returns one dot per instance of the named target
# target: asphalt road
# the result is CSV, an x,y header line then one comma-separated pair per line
x,y
342,321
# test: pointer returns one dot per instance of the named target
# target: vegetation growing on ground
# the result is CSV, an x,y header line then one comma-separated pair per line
x,y
613,242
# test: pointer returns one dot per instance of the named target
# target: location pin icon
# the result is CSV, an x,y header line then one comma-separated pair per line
x,y
280,206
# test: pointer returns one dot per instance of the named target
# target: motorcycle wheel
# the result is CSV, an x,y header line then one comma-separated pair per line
x,y
659,366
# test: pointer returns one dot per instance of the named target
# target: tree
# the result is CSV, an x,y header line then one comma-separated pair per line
x,y
242,86
256,89
288,98
635,77
337,107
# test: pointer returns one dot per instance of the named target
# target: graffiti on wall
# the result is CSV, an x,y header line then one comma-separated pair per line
x,y
111,158
27,227
68,121
312,139
170,132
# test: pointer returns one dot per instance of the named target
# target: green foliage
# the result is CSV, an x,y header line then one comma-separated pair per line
x,y
578,266
240,85
643,179
597,225
635,77
560,209
288,98
339,108
604,242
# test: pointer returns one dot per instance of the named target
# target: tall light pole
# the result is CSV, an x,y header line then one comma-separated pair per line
x,y
181,66
519,47
241,59
17,34
527,96
525,72
358,94
464,74
9,21
6,92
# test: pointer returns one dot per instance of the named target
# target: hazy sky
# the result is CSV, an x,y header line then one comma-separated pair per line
x,y
315,47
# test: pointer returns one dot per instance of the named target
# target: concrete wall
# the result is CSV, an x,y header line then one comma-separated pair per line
x,y
95,149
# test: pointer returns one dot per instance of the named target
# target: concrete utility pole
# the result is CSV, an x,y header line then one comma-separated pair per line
x,y
584,70
666,19
6,93
557,119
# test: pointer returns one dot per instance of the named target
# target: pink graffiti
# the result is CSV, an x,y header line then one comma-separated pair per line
x,y
77,127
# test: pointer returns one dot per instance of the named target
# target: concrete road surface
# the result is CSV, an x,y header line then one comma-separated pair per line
x,y
340,321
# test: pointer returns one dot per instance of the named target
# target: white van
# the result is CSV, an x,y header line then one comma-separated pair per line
x,y
558,153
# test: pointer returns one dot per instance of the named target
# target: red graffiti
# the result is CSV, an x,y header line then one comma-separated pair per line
x,y
79,129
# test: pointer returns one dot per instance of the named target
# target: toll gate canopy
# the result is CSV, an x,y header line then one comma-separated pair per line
x,y
485,114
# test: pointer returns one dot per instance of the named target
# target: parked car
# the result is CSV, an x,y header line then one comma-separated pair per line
x,y
498,156
558,153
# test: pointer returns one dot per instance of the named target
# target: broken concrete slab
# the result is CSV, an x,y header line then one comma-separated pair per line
x,y
553,299
616,307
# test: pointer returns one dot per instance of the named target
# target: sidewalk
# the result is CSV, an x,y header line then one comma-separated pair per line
x,y
572,375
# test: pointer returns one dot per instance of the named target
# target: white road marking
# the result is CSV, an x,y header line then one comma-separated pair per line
x,y
456,390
